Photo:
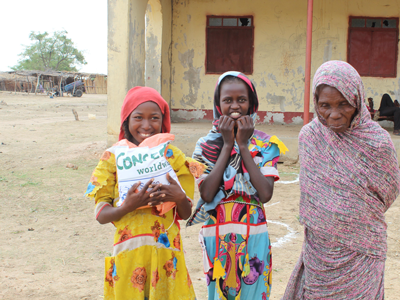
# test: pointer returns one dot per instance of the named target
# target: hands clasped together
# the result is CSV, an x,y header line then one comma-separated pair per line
x,y
157,194
245,129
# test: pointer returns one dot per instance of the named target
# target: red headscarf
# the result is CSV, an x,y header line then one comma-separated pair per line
x,y
139,95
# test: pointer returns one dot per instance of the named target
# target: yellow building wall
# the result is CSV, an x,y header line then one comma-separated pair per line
x,y
131,50
117,50
166,49
279,50
330,37
153,45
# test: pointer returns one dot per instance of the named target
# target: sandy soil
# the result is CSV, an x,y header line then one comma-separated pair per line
x,y
51,247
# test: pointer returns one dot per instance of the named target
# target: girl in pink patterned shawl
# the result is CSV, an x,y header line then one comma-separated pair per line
x,y
349,177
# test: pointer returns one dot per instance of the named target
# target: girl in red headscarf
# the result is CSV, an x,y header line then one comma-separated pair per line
x,y
148,260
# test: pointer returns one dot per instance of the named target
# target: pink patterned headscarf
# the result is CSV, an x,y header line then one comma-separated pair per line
x,y
347,180
347,81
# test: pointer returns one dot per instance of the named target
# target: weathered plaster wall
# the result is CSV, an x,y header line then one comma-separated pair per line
x,y
279,51
153,45
131,51
330,33
279,47
166,50
126,56
136,35
374,86
118,67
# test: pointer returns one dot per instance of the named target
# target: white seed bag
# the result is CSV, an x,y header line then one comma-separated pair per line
x,y
141,164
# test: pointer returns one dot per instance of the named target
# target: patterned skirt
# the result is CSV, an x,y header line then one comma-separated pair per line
x,y
148,262
237,251
329,270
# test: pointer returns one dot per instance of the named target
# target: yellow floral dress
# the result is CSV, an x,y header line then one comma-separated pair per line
x,y
148,260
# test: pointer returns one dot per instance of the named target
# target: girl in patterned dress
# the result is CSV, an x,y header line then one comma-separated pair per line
x,y
239,178
148,260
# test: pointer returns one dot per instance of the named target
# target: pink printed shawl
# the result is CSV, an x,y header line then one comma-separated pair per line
x,y
347,180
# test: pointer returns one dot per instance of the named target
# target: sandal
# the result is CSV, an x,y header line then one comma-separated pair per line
x,y
396,132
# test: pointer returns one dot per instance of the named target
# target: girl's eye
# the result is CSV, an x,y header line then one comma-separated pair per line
x,y
137,117
155,118
243,100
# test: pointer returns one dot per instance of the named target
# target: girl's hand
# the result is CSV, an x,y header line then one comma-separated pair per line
x,y
135,199
172,193
226,127
245,130
167,193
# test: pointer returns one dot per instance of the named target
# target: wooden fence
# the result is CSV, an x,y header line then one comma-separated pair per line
x,y
96,85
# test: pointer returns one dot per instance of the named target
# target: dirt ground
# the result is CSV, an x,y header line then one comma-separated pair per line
x,y
51,247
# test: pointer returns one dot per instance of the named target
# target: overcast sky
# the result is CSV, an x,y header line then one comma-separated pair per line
x,y
85,21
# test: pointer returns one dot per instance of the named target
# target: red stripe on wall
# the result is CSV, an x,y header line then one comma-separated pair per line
x,y
208,115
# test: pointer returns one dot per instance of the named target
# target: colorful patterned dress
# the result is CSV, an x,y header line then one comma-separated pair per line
x,y
235,241
243,242
148,260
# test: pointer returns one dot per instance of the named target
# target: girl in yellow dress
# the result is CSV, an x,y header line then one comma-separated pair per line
x,y
148,260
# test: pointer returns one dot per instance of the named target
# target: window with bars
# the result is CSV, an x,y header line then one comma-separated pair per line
x,y
373,46
229,44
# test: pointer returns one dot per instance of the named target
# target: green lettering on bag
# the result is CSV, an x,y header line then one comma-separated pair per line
x,y
127,163
153,156
163,149
138,159
118,166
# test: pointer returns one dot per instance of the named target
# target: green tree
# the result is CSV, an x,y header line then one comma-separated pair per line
x,y
55,52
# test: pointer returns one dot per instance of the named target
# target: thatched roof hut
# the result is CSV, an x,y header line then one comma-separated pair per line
x,y
34,81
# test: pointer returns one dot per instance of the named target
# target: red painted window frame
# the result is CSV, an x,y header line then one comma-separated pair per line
x,y
227,27
374,29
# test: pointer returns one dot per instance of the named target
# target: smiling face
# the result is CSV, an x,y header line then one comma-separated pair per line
x,y
234,99
335,109
145,121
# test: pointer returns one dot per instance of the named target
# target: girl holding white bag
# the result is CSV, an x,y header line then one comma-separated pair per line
x,y
148,260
